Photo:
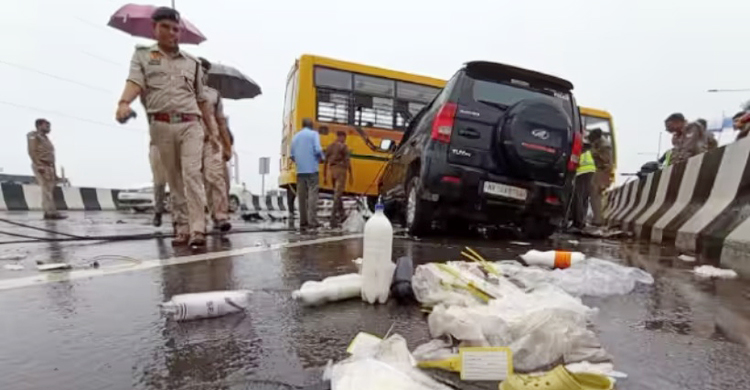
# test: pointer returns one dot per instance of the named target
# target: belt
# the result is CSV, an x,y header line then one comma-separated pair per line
x,y
172,118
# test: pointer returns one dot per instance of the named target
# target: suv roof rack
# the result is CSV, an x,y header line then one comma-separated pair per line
x,y
485,67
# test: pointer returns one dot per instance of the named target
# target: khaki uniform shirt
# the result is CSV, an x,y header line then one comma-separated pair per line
x,y
41,150
691,142
601,151
171,84
337,155
213,100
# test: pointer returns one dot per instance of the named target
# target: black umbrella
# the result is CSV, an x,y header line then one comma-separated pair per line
x,y
231,83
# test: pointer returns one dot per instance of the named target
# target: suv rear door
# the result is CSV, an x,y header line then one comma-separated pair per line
x,y
536,149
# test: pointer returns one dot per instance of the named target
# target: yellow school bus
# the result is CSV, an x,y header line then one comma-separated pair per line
x,y
370,104
593,118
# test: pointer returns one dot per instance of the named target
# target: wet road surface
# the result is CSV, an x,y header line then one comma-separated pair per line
x,y
101,328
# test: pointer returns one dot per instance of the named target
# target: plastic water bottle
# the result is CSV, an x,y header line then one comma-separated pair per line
x,y
552,259
334,288
211,304
377,264
401,287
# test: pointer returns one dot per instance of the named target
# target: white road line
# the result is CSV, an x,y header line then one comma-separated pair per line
x,y
9,284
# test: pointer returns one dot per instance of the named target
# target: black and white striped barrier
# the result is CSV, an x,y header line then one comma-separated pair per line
x,y
23,197
701,206
275,208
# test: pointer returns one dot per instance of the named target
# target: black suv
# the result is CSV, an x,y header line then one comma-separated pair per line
x,y
498,145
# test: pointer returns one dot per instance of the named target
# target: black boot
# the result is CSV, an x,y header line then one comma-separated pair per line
x,y
157,219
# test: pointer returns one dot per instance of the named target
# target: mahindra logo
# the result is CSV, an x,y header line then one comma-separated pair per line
x,y
541,134
461,153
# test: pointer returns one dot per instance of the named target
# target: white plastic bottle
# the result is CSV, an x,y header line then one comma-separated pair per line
x,y
552,259
210,304
334,288
377,263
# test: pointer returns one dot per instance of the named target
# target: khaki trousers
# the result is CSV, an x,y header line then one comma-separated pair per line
x,y
45,177
214,171
159,177
180,147
338,174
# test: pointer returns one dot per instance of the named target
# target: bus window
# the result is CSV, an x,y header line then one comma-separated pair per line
x,y
592,122
368,101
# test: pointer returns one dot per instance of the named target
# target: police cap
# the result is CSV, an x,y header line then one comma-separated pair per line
x,y
165,13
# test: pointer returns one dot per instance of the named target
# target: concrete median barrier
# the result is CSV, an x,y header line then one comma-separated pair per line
x,y
24,197
701,206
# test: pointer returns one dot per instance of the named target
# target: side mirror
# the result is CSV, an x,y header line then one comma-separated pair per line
x,y
387,145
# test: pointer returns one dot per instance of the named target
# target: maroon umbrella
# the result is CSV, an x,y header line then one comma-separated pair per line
x,y
135,20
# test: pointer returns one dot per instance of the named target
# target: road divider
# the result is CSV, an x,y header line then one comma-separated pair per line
x,y
28,197
701,206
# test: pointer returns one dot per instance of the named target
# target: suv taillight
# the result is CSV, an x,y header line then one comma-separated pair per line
x,y
575,154
442,127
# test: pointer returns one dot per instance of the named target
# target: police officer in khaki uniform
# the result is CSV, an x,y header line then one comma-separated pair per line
x,y
337,158
42,154
214,167
688,138
601,151
173,92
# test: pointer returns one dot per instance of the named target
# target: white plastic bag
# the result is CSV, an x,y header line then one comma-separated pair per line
x,y
354,222
592,277
211,304
389,366
708,271
334,288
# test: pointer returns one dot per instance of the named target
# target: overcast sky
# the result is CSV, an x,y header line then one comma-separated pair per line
x,y
640,60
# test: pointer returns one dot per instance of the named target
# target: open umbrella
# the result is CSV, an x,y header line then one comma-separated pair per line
x,y
231,83
135,19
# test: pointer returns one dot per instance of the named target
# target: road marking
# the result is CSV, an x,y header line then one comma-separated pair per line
x,y
9,284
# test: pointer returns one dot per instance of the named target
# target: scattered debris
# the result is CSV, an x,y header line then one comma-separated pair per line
x,y
358,263
574,242
386,365
13,267
686,258
401,286
53,266
210,304
708,271
334,288
607,369
13,256
552,259
520,243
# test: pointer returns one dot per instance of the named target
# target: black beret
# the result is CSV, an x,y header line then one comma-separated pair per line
x,y
675,117
165,13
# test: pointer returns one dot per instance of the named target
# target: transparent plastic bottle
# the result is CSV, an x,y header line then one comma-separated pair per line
x,y
377,263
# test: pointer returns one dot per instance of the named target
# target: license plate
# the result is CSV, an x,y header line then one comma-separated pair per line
x,y
505,190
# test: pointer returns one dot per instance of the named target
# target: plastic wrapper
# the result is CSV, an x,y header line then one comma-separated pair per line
x,y
542,328
458,283
389,366
334,288
211,304
708,271
592,277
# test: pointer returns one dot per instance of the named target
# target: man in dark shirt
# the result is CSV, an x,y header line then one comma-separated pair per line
x,y
337,157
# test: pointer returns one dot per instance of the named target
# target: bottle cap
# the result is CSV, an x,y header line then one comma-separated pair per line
x,y
379,207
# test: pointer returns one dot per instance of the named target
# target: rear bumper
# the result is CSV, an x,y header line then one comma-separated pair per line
x,y
462,195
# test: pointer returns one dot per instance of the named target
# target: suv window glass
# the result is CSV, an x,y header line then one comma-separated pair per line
x,y
506,95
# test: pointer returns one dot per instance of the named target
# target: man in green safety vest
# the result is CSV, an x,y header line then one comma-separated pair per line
x,y
584,177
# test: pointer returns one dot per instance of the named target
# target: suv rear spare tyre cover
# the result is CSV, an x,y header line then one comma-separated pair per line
x,y
533,137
